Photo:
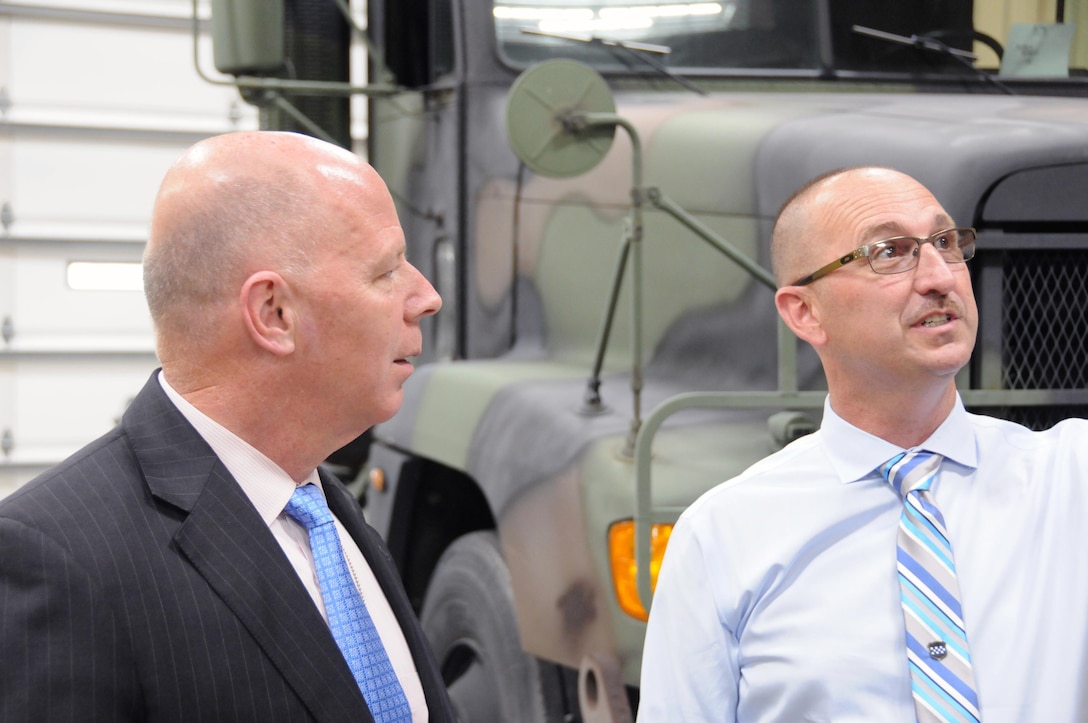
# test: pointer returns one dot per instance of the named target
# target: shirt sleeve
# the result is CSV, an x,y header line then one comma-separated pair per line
x,y
690,667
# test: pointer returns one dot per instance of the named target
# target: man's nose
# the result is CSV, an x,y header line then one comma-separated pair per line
x,y
425,301
934,272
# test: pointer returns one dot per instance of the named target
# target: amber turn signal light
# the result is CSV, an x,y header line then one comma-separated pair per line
x,y
621,555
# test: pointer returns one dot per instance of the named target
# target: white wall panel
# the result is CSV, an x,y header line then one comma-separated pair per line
x,y
97,99
68,187
74,72
53,405
46,315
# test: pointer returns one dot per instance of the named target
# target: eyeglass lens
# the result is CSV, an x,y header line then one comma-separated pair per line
x,y
901,254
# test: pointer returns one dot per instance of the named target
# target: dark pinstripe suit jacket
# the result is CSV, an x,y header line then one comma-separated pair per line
x,y
137,582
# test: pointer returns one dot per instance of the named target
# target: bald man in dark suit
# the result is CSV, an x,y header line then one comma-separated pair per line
x,y
155,575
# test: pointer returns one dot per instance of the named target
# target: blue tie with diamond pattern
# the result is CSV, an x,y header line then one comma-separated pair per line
x,y
351,625
942,681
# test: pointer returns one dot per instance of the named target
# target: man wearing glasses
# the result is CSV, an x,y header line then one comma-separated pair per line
x,y
908,561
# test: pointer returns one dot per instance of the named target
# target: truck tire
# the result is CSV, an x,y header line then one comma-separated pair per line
x,y
468,616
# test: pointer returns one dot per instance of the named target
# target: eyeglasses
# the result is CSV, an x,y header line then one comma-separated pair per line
x,y
899,254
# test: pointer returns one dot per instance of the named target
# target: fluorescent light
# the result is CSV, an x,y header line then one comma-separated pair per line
x,y
661,11
509,12
105,276
610,18
595,25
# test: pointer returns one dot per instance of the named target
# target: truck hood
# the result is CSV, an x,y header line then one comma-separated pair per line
x,y
744,154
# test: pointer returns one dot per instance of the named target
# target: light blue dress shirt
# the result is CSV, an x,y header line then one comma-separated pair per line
x,y
778,598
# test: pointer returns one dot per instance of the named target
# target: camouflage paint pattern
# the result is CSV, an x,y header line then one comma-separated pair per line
x,y
554,477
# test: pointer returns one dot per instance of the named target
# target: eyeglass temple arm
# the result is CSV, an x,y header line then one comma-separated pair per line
x,y
825,270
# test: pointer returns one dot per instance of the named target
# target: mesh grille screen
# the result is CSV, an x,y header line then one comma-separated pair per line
x,y
1044,329
1045,325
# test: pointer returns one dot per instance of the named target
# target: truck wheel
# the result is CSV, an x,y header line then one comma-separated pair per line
x,y
468,616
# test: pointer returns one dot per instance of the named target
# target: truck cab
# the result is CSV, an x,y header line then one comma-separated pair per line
x,y
591,186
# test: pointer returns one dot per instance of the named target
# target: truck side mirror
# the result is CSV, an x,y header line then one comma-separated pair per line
x,y
548,118
248,36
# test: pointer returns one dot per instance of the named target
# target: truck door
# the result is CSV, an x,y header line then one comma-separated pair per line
x,y
416,143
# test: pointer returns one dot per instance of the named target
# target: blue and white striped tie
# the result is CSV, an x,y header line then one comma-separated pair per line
x,y
942,681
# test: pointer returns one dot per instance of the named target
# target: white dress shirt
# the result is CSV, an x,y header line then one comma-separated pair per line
x,y
269,488
778,599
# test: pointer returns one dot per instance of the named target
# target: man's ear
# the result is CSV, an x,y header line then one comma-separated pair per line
x,y
268,312
798,307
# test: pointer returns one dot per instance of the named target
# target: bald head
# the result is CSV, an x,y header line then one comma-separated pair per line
x,y
801,228
233,204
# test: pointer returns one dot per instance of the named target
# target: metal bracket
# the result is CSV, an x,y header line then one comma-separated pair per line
x,y
601,693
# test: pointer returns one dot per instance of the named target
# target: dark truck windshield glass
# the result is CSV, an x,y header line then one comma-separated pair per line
x,y
937,37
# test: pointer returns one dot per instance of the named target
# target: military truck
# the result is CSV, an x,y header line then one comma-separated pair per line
x,y
591,187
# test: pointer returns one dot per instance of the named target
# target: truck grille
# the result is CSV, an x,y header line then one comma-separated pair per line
x,y
1043,327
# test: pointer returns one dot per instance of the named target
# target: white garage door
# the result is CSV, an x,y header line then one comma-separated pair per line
x,y
97,98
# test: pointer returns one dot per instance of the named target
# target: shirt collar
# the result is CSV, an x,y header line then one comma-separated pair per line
x,y
264,482
855,454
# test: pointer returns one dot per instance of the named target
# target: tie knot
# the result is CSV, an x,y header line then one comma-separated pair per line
x,y
307,506
911,470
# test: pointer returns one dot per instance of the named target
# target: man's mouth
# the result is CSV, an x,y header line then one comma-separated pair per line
x,y
936,320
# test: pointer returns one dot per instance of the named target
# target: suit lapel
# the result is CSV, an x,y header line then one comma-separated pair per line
x,y
233,550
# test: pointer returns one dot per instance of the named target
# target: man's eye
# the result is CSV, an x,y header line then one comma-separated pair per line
x,y
888,250
945,241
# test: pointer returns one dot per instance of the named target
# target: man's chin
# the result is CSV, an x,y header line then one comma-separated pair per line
x,y
950,366
390,408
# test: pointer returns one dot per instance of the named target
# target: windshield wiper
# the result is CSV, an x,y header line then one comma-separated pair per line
x,y
923,42
644,52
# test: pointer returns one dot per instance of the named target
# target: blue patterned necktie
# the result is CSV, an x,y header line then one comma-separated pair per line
x,y
942,681
349,620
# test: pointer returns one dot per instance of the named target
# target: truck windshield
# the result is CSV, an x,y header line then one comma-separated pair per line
x,y
760,37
